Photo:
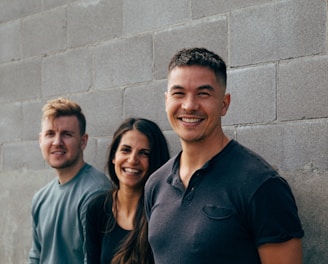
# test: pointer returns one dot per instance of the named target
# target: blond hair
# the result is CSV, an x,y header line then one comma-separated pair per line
x,y
64,107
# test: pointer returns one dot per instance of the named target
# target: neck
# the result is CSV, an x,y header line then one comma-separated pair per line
x,y
126,207
66,174
196,154
128,200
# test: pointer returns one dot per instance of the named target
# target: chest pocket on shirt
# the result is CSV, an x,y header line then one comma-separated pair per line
x,y
215,212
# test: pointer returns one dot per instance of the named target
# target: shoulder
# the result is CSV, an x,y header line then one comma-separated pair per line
x,y
161,174
246,162
238,149
98,201
90,183
94,178
99,209
45,191
241,169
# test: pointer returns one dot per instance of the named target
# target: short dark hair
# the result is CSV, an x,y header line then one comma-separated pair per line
x,y
200,57
64,107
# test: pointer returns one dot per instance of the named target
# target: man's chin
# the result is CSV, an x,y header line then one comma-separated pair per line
x,y
60,166
192,139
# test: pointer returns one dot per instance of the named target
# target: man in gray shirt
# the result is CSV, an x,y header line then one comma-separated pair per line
x,y
59,208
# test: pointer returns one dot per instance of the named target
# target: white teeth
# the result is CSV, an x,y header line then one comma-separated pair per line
x,y
129,170
190,120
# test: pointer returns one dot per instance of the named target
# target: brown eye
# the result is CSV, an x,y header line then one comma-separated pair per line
x,y
145,153
125,150
49,133
203,94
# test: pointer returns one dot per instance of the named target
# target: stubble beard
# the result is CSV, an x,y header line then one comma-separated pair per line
x,y
66,164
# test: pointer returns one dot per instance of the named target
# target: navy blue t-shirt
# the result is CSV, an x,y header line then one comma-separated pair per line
x,y
233,204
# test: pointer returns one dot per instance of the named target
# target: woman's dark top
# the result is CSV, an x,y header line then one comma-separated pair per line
x,y
101,245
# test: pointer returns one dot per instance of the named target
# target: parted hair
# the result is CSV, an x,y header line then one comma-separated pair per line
x,y
135,249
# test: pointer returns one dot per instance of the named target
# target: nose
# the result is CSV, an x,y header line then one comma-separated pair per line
x,y
190,104
57,140
133,158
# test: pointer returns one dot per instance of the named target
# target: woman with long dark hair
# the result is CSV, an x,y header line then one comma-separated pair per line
x,y
116,223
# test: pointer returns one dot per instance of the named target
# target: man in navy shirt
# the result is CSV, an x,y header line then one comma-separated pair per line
x,y
216,201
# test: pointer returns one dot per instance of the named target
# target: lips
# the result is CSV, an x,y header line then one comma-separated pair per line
x,y
132,171
190,120
58,152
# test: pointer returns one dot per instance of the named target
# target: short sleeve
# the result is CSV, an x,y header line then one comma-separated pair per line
x,y
273,213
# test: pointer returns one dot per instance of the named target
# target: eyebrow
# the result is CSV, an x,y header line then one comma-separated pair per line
x,y
175,87
128,146
202,87
206,87
61,132
124,145
68,131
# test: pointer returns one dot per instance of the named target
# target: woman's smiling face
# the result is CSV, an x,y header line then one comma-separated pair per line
x,y
131,159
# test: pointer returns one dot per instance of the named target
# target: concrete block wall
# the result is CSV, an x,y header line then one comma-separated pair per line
x,y
111,57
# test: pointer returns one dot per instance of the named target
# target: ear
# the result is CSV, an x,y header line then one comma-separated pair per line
x,y
165,94
40,138
225,104
84,141
114,158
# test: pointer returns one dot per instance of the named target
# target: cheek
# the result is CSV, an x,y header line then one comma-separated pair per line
x,y
117,159
114,162
170,103
166,107
44,149
117,162
145,164
44,144
117,169
170,108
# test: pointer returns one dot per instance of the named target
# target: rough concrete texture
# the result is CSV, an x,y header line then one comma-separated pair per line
x,y
310,191
16,189
111,56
